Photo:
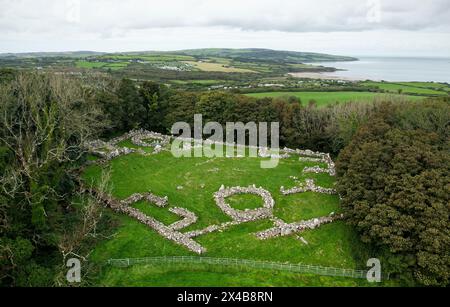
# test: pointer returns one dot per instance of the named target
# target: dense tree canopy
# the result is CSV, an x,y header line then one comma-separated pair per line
x,y
44,121
394,179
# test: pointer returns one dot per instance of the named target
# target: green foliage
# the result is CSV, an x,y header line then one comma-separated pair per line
x,y
152,95
35,275
394,183
7,75
6,156
131,106
323,99
46,118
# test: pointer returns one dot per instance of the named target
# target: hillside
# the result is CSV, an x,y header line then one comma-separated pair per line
x,y
68,54
266,55
250,54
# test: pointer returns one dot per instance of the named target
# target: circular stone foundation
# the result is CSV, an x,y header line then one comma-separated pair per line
x,y
266,211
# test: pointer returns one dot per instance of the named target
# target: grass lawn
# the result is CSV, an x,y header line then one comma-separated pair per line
x,y
330,245
326,98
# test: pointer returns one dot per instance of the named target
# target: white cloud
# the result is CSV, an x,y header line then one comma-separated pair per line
x,y
103,23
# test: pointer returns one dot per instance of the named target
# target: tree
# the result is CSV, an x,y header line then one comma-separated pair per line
x,y
394,184
45,119
152,96
217,107
133,112
180,107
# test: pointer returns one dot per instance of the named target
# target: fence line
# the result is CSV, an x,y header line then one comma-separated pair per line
x,y
298,268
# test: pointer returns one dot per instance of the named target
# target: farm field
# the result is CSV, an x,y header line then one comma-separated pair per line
x,y
105,65
217,67
325,98
331,245
420,88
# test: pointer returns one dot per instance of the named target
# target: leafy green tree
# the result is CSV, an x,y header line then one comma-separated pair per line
x,y
180,107
395,189
46,119
133,112
152,96
217,107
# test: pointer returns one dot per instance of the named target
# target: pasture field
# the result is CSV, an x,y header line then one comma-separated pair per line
x,y
104,65
332,245
148,57
86,64
202,82
420,88
433,85
325,98
217,67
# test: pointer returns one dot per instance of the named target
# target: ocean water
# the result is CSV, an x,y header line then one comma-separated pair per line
x,y
393,69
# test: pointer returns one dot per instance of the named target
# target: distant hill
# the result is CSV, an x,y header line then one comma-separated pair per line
x,y
254,54
242,55
70,54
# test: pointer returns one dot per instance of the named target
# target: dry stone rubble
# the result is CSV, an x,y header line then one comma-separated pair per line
x,y
248,214
308,186
288,229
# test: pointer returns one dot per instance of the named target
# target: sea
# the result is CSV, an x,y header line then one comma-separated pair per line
x,y
421,69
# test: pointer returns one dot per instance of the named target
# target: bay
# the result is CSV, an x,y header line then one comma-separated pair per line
x,y
392,69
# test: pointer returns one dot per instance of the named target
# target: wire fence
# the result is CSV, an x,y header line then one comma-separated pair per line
x,y
243,264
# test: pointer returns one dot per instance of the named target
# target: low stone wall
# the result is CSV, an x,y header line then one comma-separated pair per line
x,y
212,228
317,170
189,218
163,230
157,200
139,137
110,150
288,229
248,214
308,186
308,159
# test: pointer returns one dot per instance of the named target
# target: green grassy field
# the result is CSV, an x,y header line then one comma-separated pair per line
x,y
421,88
201,82
331,245
104,65
326,98
199,276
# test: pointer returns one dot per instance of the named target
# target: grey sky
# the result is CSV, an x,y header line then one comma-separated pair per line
x,y
353,27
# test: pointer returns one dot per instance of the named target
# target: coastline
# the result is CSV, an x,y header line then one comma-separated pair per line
x,y
323,76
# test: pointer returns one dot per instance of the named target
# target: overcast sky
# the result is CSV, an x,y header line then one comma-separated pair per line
x,y
347,27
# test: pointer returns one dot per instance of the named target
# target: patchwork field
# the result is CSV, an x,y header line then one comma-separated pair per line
x,y
218,67
190,183
326,98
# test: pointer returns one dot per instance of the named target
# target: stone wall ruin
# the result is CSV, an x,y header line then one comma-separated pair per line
x,y
142,138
